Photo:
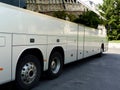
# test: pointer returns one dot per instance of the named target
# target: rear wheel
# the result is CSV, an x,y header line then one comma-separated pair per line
x,y
55,65
101,51
28,72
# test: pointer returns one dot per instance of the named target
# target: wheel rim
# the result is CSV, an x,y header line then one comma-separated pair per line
x,y
28,73
55,65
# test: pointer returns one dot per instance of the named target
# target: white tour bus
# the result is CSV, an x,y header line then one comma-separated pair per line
x,y
31,43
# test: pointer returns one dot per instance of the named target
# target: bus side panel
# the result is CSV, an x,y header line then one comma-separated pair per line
x,y
5,58
71,30
21,42
92,43
103,37
80,42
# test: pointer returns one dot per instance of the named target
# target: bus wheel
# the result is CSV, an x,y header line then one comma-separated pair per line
x,y
55,65
28,72
101,52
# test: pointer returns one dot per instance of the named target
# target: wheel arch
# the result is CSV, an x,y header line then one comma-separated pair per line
x,y
60,50
33,51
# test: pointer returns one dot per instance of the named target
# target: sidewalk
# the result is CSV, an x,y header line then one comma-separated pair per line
x,y
114,45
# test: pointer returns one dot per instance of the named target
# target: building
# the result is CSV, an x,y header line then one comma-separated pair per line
x,y
48,6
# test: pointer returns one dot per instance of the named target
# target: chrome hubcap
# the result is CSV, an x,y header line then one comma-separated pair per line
x,y
28,73
55,65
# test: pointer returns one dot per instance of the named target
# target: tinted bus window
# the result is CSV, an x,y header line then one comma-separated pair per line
x,y
18,3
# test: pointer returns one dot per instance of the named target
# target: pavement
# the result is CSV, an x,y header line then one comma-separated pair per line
x,y
93,73
114,45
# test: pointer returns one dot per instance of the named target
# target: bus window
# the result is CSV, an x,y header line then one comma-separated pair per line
x,y
18,3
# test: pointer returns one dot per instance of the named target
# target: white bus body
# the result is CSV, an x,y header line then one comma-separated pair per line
x,y
23,31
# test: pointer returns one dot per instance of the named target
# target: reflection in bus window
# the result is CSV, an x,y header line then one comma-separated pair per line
x,y
18,3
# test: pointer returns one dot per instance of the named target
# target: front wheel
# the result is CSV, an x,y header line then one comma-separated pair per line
x,y
55,65
28,72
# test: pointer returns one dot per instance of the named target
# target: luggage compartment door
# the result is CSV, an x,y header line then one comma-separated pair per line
x,y
5,58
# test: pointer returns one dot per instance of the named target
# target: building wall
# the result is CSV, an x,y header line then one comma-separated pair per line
x,y
47,6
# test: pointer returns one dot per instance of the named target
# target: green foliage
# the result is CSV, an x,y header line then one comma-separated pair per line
x,y
71,17
113,35
89,18
64,15
118,37
60,14
111,9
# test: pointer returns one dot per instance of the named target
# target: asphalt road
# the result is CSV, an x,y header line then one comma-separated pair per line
x,y
94,73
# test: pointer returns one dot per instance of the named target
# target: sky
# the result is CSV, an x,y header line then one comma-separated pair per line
x,y
95,1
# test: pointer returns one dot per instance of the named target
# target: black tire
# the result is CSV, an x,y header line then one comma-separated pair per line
x,y
55,65
28,72
101,52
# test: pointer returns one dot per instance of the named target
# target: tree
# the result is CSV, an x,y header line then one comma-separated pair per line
x,y
89,18
60,14
64,15
111,9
